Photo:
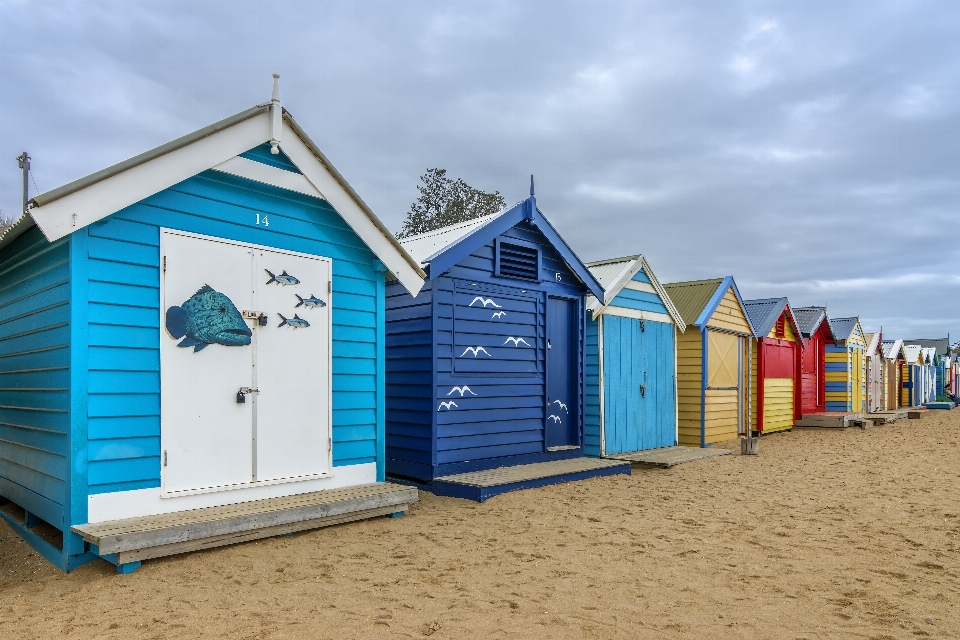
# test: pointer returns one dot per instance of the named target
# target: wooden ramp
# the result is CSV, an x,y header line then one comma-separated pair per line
x,y
480,485
126,542
829,420
668,456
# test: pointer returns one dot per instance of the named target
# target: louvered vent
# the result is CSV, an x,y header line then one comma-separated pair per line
x,y
519,262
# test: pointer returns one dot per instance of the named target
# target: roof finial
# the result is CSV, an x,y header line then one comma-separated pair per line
x,y
276,116
531,185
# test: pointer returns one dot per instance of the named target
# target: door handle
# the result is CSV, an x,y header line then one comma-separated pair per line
x,y
643,391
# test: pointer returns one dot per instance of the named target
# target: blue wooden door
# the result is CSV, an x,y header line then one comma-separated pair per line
x,y
562,427
639,405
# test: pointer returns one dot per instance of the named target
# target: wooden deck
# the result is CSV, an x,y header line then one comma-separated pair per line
x,y
668,456
480,485
127,542
887,416
829,420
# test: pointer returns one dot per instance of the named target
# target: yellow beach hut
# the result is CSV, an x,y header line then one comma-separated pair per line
x,y
713,381
846,366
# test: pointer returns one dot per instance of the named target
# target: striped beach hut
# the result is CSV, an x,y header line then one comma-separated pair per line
x,y
193,349
631,400
911,375
713,380
846,366
893,359
774,365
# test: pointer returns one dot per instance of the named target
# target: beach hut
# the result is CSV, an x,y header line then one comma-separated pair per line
x,y
193,349
815,330
631,399
713,380
774,365
910,375
929,372
937,353
893,359
875,379
485,365
845,366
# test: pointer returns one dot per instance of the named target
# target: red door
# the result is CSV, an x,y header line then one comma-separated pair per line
x,y
812,376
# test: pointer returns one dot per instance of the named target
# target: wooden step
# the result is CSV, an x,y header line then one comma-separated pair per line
x,y
668,456
134,539
828,420
481,485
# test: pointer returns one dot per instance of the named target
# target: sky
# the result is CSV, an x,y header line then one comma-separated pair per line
x,y
809,149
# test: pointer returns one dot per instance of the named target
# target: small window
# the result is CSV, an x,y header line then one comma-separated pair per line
x,y
781,326
518,261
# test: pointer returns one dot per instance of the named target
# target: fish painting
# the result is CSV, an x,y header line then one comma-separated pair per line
x,y
296,321
284,278
312,302
208,317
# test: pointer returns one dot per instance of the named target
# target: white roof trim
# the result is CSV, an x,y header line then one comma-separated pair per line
x,y
625,277
101,199
264,173
160,169
638,314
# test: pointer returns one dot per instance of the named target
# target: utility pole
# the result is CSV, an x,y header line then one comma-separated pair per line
x,y
23,161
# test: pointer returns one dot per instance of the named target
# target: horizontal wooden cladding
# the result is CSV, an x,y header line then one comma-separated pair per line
x,y
729,315
689,386
778,399
591,426
721,412
640,301
34,374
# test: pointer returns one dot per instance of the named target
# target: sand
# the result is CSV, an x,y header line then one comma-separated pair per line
x,y
825,534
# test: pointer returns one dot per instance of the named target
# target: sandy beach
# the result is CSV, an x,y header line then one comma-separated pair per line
x,y
825,534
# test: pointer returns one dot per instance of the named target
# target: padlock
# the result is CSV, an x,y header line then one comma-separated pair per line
x,y
262,319
241,397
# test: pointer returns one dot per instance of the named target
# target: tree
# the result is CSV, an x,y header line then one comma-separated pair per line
x,y
443,202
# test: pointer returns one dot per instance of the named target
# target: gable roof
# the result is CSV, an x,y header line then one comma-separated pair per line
x,y
764,314
443,248
911,353
893,349
696,300
942,345
616,273
873,343
843,328
810,318
929,353
82,202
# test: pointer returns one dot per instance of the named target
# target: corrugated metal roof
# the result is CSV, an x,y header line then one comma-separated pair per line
x,y
842,328
892,348
691,298
929,353
764,313
426,245
942,345
872,349
616,273
809,318
608,272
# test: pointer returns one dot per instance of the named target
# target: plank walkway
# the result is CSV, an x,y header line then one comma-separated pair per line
x,y
480,485
668,456
828,420
135,539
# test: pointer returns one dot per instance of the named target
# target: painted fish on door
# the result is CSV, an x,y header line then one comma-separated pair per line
x,y
312,302
296,322
284,278
208,317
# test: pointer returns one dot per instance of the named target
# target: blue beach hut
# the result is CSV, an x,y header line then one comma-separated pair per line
x,y
631,399
485,365
193,349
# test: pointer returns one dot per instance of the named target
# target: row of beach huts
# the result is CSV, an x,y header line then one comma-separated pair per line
x,y
218,341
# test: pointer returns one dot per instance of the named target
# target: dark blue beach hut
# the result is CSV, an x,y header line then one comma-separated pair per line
x,y
192,349
485,382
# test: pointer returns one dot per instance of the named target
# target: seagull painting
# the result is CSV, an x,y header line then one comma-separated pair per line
x,y
516,341
555,419
498,314
475,351
447,405
461,390
562,406
484,302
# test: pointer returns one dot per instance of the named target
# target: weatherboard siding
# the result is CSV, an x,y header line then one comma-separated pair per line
x,y
124,315
35,375
591,413
729,315
689,389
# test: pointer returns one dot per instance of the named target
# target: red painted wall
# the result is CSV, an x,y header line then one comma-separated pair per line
x,y
813,372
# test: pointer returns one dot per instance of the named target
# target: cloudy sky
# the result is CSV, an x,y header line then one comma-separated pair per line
x,y
810,149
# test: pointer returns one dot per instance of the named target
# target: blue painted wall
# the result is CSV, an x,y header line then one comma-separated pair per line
x,y
35,375
591,411
633,422
500,420
113,342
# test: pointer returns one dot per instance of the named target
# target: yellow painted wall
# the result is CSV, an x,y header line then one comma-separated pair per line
x,y
729,314
777,404
753,384
689,386
721,421
905,393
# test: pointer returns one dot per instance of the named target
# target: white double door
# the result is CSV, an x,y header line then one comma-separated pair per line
x,y
281,432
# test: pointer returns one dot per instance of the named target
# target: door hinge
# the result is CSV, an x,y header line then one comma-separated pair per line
x,y
164,457
329,286
330,444
164,264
